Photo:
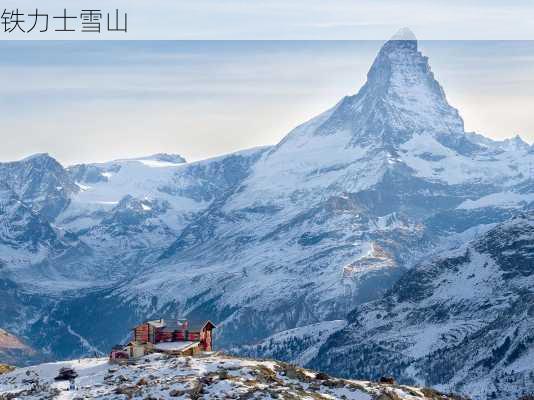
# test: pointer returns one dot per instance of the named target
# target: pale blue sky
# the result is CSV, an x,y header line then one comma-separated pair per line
x,y
95,101
309,19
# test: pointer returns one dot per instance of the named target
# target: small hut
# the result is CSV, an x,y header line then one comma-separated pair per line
x,y
170,336
175,331
120,353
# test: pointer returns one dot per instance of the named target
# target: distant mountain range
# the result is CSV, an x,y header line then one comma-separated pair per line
x,y
292,236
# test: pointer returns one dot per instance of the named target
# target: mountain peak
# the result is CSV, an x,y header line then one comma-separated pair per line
x,y
518,139
403,39
41,161
166,157
515,143
158,159
37,157
401,98
404,34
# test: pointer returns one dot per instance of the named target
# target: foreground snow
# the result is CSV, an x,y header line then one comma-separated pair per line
x,y
210,376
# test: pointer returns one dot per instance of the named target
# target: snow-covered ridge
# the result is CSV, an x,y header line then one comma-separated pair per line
x,y
210,376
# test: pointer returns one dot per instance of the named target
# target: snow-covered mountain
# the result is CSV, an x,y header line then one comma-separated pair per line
x,y
41,181
463,320
260,241
383,175
120,217
212,376
25,236
115,217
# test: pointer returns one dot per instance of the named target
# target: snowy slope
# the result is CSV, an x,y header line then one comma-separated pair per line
x,y
298,346
461,320
210,376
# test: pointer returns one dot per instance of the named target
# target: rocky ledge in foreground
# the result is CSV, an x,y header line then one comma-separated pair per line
x,y
209,376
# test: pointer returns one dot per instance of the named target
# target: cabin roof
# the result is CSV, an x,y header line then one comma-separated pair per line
x,y
175,346
157,323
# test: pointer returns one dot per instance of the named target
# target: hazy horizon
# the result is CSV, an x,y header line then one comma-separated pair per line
x,y
99,101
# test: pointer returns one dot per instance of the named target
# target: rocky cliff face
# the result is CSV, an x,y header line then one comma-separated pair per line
x,y
12,350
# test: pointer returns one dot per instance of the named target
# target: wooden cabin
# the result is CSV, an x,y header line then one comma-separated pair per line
x,y
179,331
170,336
